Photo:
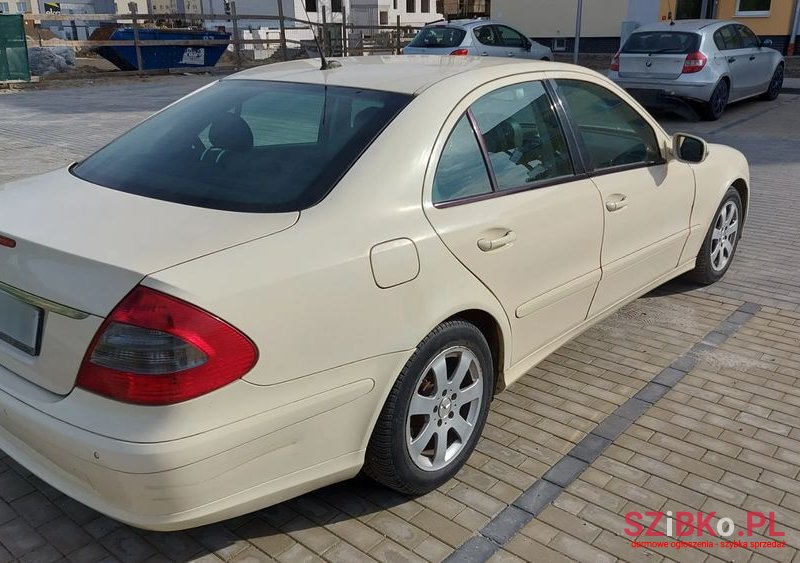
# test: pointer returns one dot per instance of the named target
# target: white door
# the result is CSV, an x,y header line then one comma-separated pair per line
x,y
505,200
647,201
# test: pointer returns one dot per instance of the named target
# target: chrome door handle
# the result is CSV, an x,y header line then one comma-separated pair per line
x,y
484,54
617,205
493,244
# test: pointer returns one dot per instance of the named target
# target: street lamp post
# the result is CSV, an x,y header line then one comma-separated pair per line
x,y
577,32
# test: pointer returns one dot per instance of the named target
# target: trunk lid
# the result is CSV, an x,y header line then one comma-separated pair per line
x,y
84,247
656,67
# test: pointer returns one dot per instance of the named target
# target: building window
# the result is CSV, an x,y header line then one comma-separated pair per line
x,y
426,7
336,5
311,5
753,7
4,8
22,7
384,18
394,4
411,6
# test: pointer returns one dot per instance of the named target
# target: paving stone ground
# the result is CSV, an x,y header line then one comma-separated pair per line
x,y
724,438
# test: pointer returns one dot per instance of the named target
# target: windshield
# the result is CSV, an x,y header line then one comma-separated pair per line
x,y
439,37
667,42
246,145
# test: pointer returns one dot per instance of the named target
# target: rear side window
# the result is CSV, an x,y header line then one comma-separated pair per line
x,y
522,136
486,35
613,133
461,171
727,39
246,145
667,42
439,37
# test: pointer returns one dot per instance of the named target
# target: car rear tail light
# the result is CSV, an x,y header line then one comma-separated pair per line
x,y
155,349
615,63
460,52
694,63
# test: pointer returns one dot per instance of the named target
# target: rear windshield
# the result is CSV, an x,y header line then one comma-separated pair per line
x,y
439,37
654,42
246,145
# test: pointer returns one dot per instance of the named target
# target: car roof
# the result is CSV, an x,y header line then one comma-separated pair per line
x,y
683,25
465,23
406,74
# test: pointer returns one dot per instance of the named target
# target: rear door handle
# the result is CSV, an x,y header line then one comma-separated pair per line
x,y
752,57
486,244
484,54
617,203
732,60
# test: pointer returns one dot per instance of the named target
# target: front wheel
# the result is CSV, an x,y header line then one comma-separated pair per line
x,y
775,85
720,244
435,412
719,99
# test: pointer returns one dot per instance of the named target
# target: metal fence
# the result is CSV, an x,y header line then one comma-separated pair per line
x,y
13,49
335,39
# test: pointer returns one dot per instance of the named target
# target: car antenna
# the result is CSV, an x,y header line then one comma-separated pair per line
x,y
326,64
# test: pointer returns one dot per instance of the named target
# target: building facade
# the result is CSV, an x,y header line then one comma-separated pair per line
x,y
552,22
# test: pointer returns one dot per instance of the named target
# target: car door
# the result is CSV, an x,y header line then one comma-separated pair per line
x,y
647,200
506,198
729,42
516,44
758,62
487,42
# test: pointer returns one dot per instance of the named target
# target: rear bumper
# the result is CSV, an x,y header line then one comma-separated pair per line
x,y
180,483
668,89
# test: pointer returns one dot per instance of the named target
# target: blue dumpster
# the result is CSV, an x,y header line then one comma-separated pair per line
x,y
162,56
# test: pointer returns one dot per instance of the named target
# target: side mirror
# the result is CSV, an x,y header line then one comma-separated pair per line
x,y
766,43
688,148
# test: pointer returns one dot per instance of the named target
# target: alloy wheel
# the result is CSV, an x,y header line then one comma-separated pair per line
x,y
444,408
777,83
723,237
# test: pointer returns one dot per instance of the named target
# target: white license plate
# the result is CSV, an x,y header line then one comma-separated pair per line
x,y
20,324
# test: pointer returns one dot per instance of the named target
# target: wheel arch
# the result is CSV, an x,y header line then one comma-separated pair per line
x,y
741,187
491,330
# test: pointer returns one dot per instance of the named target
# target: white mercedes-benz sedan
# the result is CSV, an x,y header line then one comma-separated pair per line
x,y
295,274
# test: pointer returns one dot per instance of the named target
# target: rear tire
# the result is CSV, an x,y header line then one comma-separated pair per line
x,y
435,412
713,109
721,241
775,85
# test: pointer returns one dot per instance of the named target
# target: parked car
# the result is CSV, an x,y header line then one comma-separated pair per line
x,y
266,288
709,62
484,38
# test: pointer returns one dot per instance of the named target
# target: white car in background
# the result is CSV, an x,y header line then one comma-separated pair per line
x,y
477,38
294,274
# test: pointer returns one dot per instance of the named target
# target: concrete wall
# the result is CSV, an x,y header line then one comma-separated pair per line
x,y
556,18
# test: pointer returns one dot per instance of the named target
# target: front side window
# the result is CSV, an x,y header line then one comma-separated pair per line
x,y
487,36
522,136
747,37
613,133
753,7
511,38
246,145
461,171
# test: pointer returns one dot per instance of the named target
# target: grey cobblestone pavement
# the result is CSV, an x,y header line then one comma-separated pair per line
x,y
687,399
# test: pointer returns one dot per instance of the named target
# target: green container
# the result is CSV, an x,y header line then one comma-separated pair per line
x,y
13,49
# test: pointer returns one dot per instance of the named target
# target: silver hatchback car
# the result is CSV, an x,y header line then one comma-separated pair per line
x,y
477,38
708,62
